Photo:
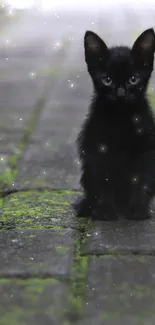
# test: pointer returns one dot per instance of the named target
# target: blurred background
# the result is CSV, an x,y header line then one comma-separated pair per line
x,y
44,85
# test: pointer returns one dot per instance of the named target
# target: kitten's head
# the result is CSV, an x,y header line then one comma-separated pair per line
x,y
120,72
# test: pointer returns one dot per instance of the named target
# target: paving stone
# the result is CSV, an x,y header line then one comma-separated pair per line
x,y
26,61
16,106
31,253
52,149
52,145
34,302
38,209
120,290
120,237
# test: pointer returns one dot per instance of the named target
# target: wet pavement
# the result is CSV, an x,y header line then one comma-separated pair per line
x,y
55,268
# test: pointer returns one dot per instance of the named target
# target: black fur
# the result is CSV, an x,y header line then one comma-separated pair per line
x,y
116,144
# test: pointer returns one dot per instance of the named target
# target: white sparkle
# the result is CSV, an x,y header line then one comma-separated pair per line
x,y
45,23
68,80
71,85
58,16
20,119
6,59
70,26
77,76
32,74
88,235
57,45
134,179
31,258
106,179
92,23
14,240
136,119
96,233
103,148
139,131
93,289
2,158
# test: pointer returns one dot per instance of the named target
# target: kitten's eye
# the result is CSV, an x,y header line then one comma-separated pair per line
x,y
133,80
107,81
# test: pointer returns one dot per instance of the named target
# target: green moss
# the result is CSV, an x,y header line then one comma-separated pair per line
x,y
32,281
12,161
151,97
66,323
78,286
13,316
1,202
85,225
38,209
36,287
78,282
7,177
61,249
34,296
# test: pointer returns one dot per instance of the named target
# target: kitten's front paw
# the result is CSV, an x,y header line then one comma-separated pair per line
x,y
104,212
82,207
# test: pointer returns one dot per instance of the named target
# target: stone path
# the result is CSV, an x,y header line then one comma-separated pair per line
x,y
54,268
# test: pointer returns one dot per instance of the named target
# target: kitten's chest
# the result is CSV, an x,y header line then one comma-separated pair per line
x,y
116,136
131,136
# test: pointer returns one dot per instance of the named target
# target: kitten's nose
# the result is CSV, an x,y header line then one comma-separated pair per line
x,y
120,92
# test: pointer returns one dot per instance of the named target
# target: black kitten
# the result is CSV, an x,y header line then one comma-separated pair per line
x,y
117,142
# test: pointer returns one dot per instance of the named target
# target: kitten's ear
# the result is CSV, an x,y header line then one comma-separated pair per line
x,y
144,46
95,48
